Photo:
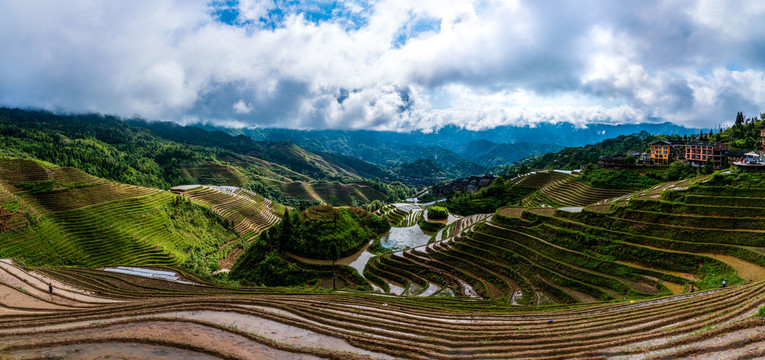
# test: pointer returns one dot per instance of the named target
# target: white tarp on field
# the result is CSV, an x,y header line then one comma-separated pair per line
x,y
154,274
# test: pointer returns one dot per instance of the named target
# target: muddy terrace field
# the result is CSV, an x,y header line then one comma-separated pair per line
x,y
93,312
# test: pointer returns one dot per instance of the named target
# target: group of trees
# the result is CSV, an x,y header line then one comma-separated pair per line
x,y
744,134
322,232
500,193
314,237
396,191
576,157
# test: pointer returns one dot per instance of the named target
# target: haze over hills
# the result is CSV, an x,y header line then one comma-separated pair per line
x,y
485,148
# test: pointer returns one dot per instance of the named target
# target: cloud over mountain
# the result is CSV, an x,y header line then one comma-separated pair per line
x,y
394,65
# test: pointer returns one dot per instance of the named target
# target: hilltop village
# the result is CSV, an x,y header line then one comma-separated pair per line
x,y
698,153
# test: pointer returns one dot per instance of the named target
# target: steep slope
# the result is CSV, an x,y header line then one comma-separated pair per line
x,y
284,153
698,235
490,155
247,212
62,216
558,189
130,152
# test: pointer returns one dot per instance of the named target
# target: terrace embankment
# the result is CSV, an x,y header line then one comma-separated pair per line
x,y
263,323
558,189
696,236
63,216
250,214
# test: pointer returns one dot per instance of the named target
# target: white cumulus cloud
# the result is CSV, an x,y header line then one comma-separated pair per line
x,y
394,65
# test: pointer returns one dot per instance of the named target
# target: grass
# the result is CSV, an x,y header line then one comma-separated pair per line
x,y
76,219
555,252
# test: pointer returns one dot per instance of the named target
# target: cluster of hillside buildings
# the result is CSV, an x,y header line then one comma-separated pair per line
x,y
695,153
463,185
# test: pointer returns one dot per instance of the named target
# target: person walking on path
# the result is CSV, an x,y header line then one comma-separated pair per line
x,y
50,290
725,283
692,288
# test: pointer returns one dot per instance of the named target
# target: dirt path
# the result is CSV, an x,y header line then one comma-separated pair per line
x,y
16,298
689,277
745,269
37,285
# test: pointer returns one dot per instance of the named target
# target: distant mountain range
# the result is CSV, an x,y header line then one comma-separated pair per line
x,y
276,157
458,151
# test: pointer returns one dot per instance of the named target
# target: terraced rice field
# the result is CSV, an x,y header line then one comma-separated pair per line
x,y
402,214
333,193
94,312
63,216
386,272
557,189
250,213
645,249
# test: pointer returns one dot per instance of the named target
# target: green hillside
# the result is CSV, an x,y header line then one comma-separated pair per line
x,y
576,157
647,246
162,155
321,232
63,216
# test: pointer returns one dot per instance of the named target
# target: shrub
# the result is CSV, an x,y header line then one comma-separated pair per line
x,y
312,232
430,225
437,212
617,179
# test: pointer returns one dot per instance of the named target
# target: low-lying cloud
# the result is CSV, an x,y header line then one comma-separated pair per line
x,y
389,65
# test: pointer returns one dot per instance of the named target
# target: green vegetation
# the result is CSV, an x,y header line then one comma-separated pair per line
x,y
738,180
437,212
744,133
320,232
261,264
162,155
312,232
500,193
62,216
395,191
619,178
761,312
430,226
575,157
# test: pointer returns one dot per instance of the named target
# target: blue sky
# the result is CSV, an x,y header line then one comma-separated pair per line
x,y
388,65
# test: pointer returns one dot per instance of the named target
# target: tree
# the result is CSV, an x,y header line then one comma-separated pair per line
x,y
286,233
709,166
334,252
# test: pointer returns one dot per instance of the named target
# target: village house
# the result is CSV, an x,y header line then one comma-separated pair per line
x,y
734,156
472,183
664,152
620,160
699,152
